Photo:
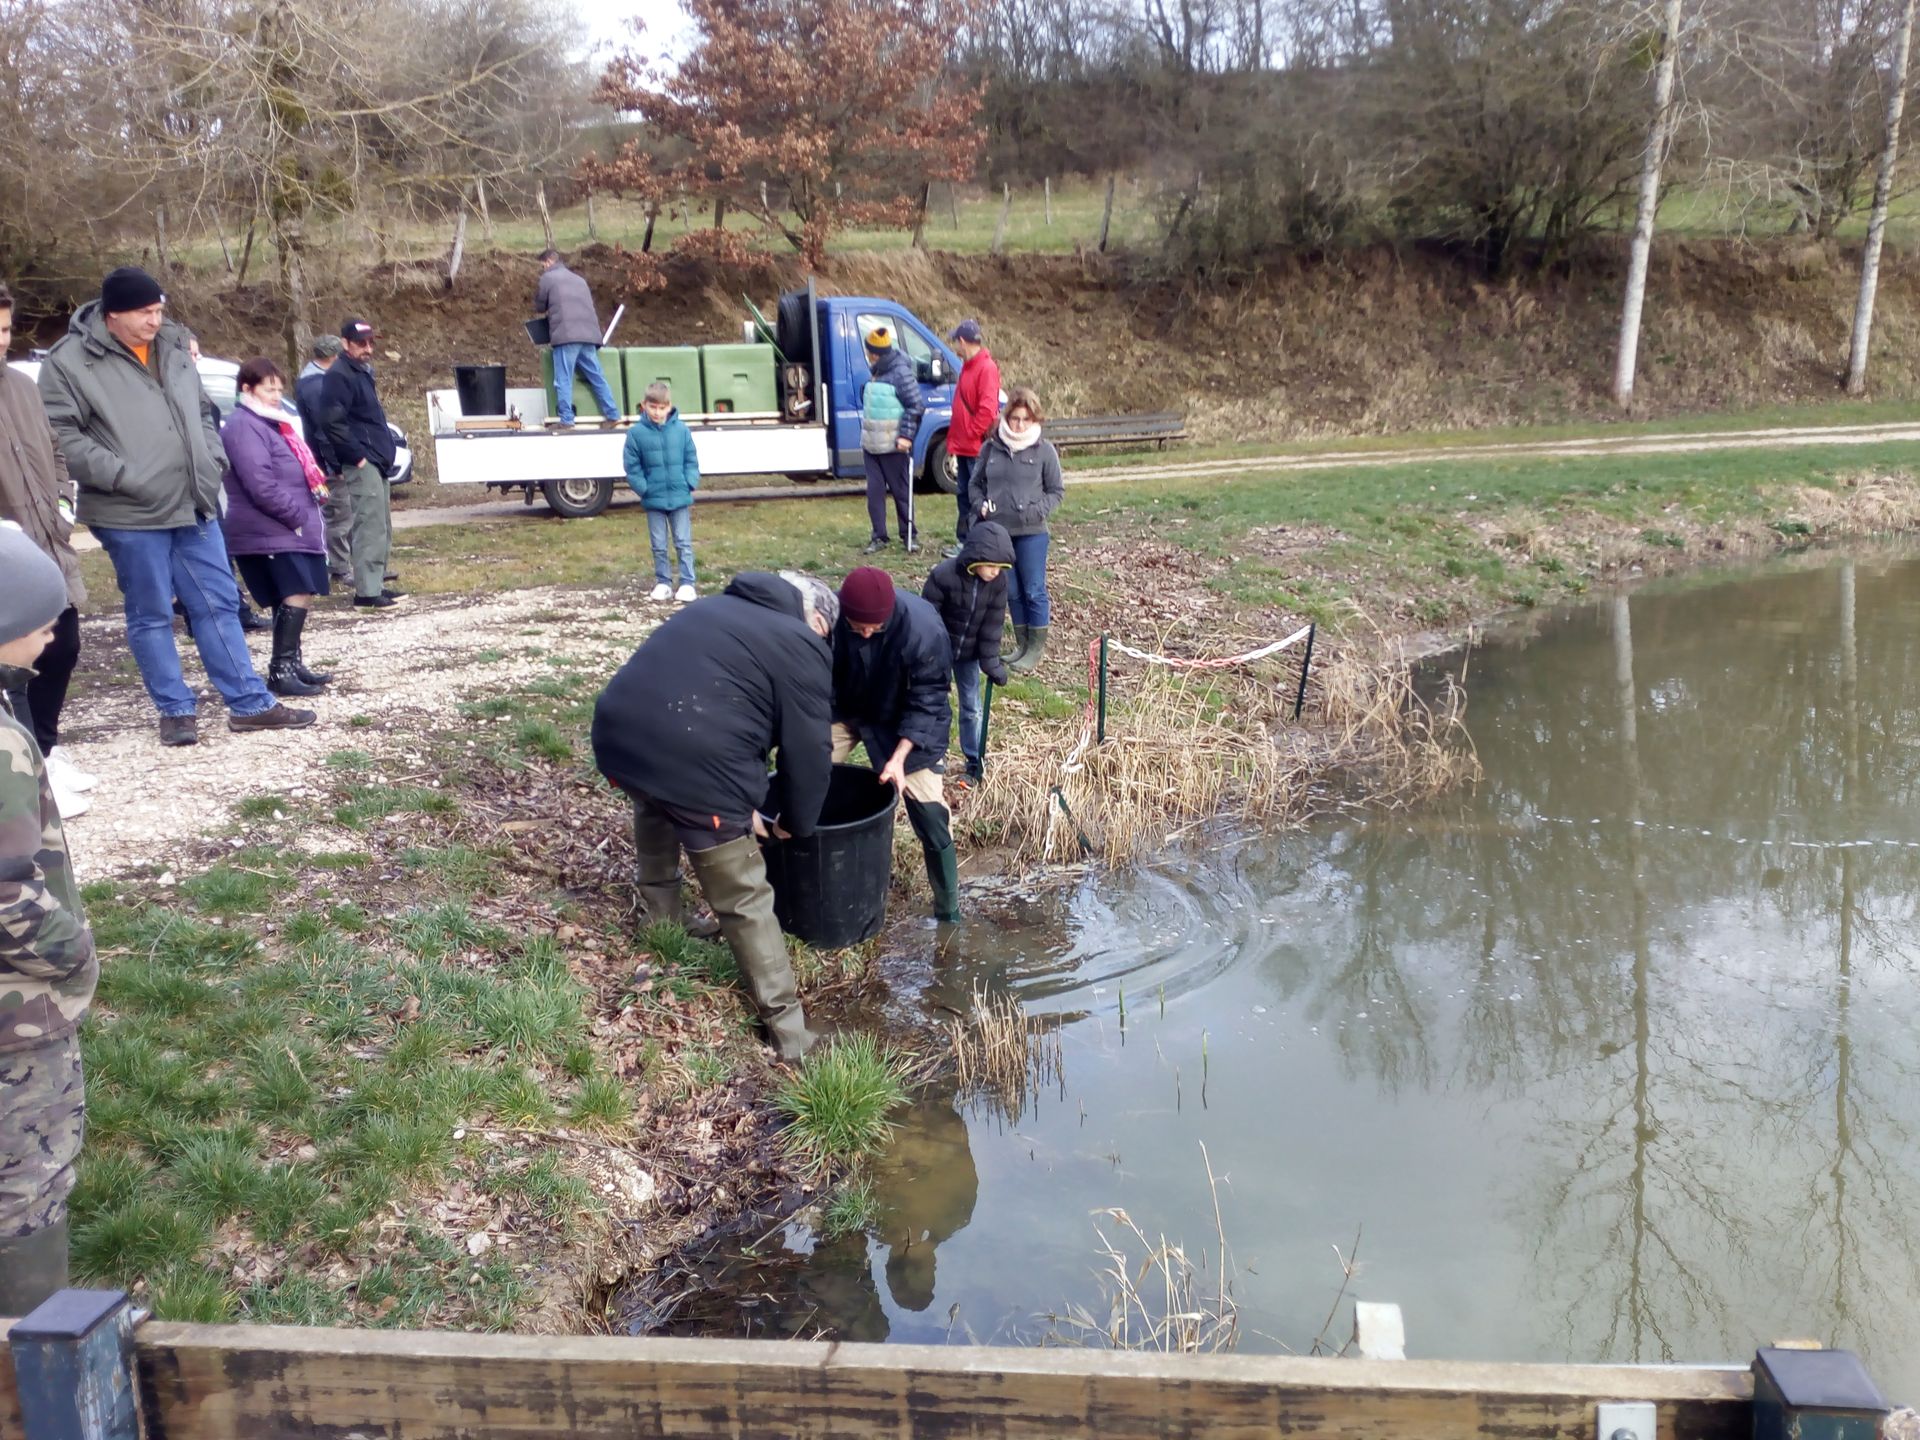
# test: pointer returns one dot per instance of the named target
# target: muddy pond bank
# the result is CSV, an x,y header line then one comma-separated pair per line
x,y
1608,1059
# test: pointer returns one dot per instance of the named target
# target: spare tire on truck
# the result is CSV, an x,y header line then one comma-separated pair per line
x,y
578,496
793,328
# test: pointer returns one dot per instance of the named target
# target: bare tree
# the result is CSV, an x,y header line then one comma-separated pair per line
x,y
1882,198
1657,133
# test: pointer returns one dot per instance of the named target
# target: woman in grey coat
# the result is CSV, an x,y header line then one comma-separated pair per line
x,y
1018,483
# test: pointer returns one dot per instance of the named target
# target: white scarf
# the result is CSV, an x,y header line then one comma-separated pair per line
x,y
261,408
1016,443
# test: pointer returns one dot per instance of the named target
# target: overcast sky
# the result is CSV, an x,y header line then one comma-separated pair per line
x,y
667,30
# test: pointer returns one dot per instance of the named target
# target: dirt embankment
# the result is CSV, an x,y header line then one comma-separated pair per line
x,y
1366,342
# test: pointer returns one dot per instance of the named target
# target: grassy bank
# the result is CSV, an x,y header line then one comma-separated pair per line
x,y
395,1051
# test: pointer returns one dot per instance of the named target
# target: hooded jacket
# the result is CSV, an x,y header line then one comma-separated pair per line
x,y
890,404
663,468
350,414
563,297
270,510
974,610
33,477
307,400
141,443
1024,487
893,686
690,719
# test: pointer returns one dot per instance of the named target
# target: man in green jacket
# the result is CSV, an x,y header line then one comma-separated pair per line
x,y
47,964
125,402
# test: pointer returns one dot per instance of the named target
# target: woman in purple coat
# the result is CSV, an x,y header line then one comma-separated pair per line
x,y
274,529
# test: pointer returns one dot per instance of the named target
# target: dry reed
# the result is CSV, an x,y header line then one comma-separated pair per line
x,y
1001,1058
1157,1297
1182,751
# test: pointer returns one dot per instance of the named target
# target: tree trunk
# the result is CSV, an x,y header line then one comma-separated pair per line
x,y
1106,215
160,239
226,254
646,240
546,215
593,230
719,211
459,247
1006,206
246,254
1882,195
953,202
486,215
920,217
1046,190
293,285
1658,132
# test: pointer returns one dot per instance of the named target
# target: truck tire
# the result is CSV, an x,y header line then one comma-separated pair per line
x,y
577,498
941,473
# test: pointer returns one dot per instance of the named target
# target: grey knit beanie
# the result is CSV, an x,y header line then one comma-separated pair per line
x,y
33,592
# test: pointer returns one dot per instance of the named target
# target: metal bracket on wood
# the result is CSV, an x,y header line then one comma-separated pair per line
x,y
73,1367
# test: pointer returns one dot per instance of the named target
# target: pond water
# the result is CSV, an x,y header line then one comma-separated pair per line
x,y
1611,1059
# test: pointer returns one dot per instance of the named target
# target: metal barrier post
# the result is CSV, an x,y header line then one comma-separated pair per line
x,y
73,1366
1300,695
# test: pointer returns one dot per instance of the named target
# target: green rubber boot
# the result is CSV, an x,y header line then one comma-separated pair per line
x,y
734,876
1031,653
32,1267
1012,657
943,874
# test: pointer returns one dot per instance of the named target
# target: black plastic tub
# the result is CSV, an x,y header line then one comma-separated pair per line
x,y
482,389
830,889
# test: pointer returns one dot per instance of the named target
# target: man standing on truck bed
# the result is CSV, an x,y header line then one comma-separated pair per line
x,y
890,411
573,329
363,447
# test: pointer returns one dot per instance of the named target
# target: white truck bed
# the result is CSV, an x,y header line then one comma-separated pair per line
x,y
726,444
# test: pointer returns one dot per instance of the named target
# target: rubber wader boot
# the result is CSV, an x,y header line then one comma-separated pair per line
x,y
32,1267
1028,660
656,875
282,676
735,878
931,823
1012,657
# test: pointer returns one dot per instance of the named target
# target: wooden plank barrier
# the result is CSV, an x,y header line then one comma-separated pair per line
x,y
215,1382
11,1426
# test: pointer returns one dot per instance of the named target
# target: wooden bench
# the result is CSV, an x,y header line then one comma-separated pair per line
x,y
1078,431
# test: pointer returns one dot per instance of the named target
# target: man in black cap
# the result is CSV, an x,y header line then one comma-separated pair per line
x,y
142,443
361,442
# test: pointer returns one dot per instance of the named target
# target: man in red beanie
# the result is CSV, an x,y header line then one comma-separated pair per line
x,y
891,660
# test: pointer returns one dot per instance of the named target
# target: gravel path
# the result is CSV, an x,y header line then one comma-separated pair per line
x,y
399,677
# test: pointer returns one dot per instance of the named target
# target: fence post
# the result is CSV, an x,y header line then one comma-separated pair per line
x,y
1300,695
1100,731
73,1367
1006,205
1046,189
1106,215
546,215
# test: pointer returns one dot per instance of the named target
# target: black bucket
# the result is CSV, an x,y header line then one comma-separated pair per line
x,y
830,889
482,389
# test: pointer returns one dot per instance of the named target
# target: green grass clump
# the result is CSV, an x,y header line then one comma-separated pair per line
x,y
855,1206
543,738
839,1100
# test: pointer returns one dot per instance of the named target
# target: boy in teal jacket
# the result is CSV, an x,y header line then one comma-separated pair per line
x,y
663,469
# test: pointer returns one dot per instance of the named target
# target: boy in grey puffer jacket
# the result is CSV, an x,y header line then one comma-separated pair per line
x,y
890,413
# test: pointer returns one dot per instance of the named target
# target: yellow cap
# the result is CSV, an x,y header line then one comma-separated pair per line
x,y
879,338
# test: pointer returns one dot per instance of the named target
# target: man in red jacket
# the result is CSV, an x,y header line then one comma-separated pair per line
x,y
976,406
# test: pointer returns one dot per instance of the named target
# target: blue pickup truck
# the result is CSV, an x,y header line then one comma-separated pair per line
x,y
815,348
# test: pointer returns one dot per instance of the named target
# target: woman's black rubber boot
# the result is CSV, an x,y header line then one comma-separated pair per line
x,y
282,676
310,677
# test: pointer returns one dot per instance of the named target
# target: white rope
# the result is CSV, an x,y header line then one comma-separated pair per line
x,y
1265,650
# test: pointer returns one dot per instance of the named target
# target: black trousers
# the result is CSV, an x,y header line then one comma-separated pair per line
x,y
889,475
39,702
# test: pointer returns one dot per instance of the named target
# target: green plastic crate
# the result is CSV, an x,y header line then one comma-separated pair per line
x,y
740,379
678,365
585,407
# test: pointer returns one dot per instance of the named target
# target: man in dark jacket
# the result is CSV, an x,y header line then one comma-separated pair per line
x,y
685,729
308,400
890,411
970,592
142,442
362,445
573,329
890,665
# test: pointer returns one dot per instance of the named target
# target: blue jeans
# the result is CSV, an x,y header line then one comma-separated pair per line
x,y
966,681
680,524
585,359
1027,596
190,561
963,467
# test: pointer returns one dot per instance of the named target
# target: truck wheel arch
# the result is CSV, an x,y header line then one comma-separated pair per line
x,y
938,473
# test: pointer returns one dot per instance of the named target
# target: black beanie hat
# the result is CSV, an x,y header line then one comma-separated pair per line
x,y
129,288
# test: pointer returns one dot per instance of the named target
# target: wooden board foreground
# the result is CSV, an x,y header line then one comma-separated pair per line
x,y
215,1382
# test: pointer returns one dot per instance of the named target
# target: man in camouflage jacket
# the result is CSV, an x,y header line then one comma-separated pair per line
x,y
47,964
